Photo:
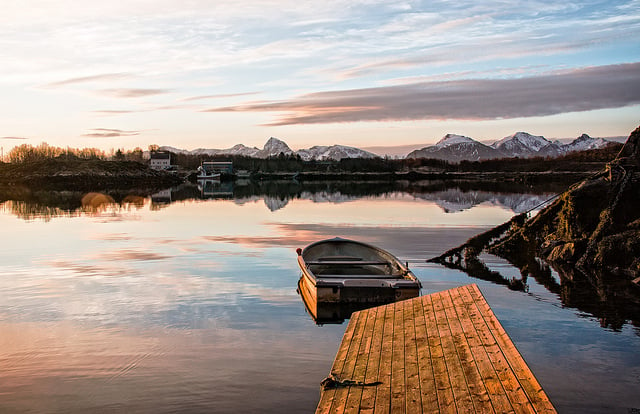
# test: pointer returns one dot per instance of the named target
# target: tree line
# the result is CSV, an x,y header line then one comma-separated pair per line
x,y
578,161
26,153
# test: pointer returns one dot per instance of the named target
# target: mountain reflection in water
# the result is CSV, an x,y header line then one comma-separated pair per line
x,y
452,196
574,289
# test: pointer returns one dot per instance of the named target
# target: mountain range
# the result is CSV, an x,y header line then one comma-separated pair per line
x,y
274,147
451,147
452,200
456,148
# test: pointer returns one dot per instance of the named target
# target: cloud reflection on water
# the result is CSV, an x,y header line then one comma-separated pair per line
x,y
193,306
402,241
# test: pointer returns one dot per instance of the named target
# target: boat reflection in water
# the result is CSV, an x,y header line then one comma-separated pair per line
x,y
214,188
341,276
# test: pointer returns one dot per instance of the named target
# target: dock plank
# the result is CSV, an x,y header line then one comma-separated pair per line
x,y
522,371
413,398
498,358
368,399
383,391
341,394
425,370
457,379
364,354
398,385
444,352
479,398
488,375
443,389
326,404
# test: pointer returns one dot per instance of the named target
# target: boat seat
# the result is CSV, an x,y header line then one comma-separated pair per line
x,y
348,263
320,277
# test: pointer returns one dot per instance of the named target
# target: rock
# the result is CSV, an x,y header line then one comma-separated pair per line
x,y
595,224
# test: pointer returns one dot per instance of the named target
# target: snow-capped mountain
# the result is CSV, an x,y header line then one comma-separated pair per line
x,y
333,152
452,148
240,149
274,147
453,139
521,144
553,149
585,142
456,148
235,150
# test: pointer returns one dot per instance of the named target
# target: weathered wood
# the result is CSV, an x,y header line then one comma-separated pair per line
x,y
355,393
413,398
499,359
425,369
325,405
443,390
496,392
444,352
477,390
398,387
522,371
368,399
383,391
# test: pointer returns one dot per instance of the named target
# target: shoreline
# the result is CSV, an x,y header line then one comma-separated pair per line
x,y
88,174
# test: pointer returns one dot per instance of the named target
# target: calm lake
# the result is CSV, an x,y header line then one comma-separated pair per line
x,y
185,300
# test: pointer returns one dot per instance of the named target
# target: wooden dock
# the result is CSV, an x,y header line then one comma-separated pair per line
x,y
445,352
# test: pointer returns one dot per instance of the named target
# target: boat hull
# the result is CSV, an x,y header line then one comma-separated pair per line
x,y
346,280
357,291
336,312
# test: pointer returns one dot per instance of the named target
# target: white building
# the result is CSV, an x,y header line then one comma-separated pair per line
x,y
160,160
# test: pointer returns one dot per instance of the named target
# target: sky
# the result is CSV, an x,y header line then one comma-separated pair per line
x,y
364,73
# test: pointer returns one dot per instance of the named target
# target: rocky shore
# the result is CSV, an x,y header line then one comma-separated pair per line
x,y
595,225
590,235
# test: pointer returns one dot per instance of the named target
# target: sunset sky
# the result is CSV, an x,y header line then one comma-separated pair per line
x,y
212,74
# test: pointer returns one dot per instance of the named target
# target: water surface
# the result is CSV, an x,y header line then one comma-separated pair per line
x,y
185,301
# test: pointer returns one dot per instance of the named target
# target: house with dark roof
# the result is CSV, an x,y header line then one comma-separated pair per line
x,y
160,160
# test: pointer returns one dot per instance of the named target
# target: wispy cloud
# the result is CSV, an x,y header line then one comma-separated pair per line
x,y
219,96
113,112
110,133
133,92
474,99
219,53
88,79
14,138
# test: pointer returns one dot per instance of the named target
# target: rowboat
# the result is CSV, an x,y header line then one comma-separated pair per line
x,y
207,171
342,271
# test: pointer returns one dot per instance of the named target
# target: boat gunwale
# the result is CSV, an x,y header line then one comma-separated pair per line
x,y
405,280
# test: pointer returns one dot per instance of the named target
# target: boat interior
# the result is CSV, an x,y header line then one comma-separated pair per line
x,y
340,266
